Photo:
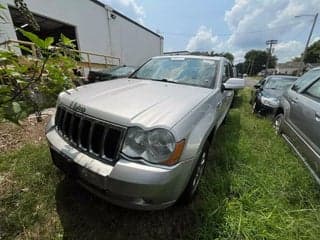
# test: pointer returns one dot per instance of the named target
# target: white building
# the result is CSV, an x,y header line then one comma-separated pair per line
x,y
96,27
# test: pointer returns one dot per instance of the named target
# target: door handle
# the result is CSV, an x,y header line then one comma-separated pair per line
x,y
294,100
219,104
317,116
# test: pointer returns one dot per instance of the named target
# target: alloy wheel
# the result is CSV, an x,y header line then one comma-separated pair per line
x,y
199,172
277,124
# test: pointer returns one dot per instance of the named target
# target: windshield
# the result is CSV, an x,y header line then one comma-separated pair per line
x,y
122,71
279,82
181,70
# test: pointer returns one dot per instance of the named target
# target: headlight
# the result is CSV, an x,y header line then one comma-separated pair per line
x,y
270,102
156,146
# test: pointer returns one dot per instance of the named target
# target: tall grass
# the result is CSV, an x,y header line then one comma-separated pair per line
x,y
254,187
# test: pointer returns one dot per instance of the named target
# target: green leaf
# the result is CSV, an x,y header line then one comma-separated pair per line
x,y
25,48
34,38
48,42
16,107
66,41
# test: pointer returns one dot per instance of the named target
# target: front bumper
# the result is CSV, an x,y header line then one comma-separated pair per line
x,y
126,183
265,110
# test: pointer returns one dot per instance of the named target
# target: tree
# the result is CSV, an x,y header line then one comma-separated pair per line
x,y
255,61
296,59
28,85
212,54
228,56
313,53
240,68
26,14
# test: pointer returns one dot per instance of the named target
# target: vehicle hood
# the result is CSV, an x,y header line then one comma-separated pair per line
x,y
135,102
273,93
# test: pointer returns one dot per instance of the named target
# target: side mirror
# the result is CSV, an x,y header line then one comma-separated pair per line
x,y
257,86
233,84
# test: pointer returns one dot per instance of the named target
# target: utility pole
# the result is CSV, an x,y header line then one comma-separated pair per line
x,y
270,43
309,37
252,63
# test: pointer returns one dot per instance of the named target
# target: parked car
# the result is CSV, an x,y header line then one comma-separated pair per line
x,y
265,98
142,142
298,119
111,73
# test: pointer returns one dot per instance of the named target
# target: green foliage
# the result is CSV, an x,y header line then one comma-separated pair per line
x,y
212,54
26,14
28,85
313,53
296,59
256,60
228,56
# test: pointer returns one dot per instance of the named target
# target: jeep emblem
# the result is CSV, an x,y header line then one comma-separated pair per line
x,y
77,107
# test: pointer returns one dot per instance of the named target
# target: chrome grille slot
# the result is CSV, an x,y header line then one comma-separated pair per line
x,y
66,124
95,137
110,144
75,129
84,134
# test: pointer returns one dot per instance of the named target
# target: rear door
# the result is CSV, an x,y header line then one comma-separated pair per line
x,y
310,110
295,99
304,117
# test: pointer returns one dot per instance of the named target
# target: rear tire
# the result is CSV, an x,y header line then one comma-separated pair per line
x,y
192,187
277,123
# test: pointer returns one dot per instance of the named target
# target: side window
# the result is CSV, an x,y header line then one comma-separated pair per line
x,y
263,81
226,72
230,70
314,91
305,80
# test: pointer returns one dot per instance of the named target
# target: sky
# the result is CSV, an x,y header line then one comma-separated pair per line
x,y
234,26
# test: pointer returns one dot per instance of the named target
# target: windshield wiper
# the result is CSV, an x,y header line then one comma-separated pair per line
x,y
165,80
272,88
154,79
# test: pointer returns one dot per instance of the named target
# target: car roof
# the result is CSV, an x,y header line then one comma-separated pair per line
x,y
282,76
316,68
192,56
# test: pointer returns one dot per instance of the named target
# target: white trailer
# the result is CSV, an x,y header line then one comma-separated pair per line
x,y
97,28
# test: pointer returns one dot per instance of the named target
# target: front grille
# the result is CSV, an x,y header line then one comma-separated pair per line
x,y
95,137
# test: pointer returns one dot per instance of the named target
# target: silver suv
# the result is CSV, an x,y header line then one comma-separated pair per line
x,y
298,119
142,142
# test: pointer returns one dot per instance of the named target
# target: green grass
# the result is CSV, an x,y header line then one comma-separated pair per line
x,y
254,188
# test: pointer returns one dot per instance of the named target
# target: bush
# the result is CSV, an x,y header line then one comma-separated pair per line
x,y
27,84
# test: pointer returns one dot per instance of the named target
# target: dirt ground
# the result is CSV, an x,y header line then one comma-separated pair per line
x,y
13,136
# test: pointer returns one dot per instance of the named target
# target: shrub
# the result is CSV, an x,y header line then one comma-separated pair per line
x,y
29,84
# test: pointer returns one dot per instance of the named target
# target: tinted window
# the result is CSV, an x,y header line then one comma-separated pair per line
x,y
306,79
314,90
230,70
122,71
226,72
181,70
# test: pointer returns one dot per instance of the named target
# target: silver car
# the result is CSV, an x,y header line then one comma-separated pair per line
x,y
298,119
142,142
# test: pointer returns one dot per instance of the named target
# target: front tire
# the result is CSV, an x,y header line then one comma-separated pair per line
x,y
255,107
196,175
